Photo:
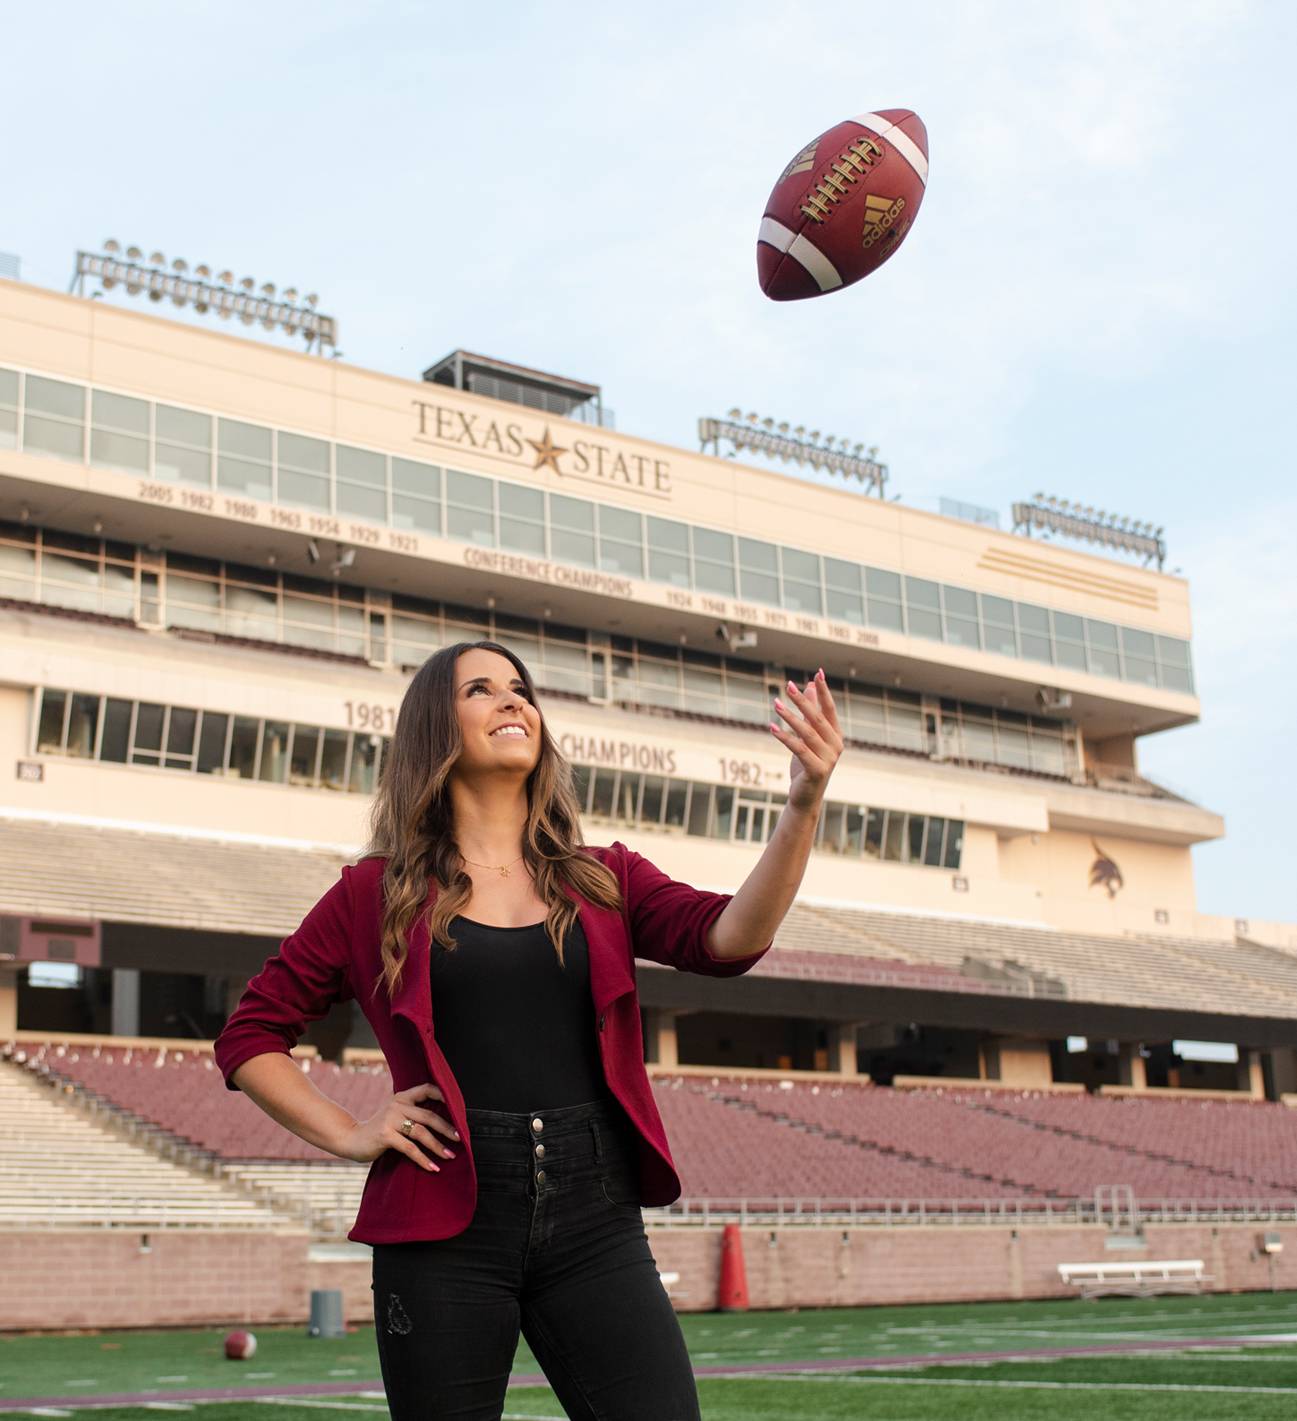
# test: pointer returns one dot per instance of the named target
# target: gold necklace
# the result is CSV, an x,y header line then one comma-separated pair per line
x,y
502,869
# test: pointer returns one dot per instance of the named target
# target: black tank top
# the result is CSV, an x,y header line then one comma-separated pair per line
x,y
517,1030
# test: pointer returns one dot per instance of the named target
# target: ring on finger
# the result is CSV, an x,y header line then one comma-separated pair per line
x,y
407,1126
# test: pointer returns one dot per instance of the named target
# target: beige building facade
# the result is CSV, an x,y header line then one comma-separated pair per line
x,y
220,562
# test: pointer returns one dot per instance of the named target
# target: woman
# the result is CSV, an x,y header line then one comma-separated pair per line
x,y
518,1207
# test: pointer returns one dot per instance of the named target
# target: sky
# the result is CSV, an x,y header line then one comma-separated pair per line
x,y
1096,299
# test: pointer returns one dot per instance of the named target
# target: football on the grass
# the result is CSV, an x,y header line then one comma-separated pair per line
x,y
843,205
240,1345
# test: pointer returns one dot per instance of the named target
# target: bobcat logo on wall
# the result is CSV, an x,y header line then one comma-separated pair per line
x,y
1103,870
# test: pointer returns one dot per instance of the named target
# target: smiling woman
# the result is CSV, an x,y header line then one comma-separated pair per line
x,y
477,892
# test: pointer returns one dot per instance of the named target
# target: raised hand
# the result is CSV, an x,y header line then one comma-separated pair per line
x,y
815,739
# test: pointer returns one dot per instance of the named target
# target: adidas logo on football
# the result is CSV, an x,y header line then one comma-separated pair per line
x,y
880,214
802,163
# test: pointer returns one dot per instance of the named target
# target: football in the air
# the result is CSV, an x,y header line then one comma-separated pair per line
x,y
843,205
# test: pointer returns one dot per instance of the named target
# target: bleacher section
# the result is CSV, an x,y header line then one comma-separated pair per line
x,y
767,1141
59,1168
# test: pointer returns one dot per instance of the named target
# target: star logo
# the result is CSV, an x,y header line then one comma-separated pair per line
x,y
547,452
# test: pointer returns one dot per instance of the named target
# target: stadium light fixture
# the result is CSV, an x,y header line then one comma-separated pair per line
x,y
1072,520
798,446
111,268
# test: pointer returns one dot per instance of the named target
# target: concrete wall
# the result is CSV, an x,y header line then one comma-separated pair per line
x,y
99,1278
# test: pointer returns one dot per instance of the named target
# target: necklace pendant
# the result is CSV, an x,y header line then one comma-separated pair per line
x,y
505,872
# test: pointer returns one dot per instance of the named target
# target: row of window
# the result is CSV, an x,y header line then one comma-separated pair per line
x,y
166,442
229,599
746,815
241,747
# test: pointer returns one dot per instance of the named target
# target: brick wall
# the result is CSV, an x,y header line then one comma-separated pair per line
x,y
58,1279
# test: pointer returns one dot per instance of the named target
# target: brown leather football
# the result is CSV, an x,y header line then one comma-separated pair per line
x,y
843,205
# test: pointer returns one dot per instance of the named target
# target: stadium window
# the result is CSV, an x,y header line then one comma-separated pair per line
x,y
360,477
362,773
243,746
954,843
746,698
18,563
146,743
914,827
522,518
874,833
581,779
628,788
700,809
723,814
571,530
333,759
182,722
659,682
653,795
865,715
568,666
677,804
272,768
801,581
883,594
1048,749
621,541
309,620
1138,656
959,608
416,500
932,843
832,827
192,601
855,830
1173,667
1033,629
1101,644
905,729
115,740
603,800
759,571
668,551
8,409
713,555
923,608
999,632
70,570
251,611
843,593
704,684
243,458
894,836
83,726
302,472
53,713
119,432
182,446
213,732
1069,640
54,418
304,762
1012,740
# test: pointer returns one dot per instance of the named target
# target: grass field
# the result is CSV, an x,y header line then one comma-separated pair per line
x,y
1189,1358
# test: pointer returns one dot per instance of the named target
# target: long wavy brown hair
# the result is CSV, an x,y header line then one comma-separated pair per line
x,y
411,820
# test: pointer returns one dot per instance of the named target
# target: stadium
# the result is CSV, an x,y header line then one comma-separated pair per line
x,y
997,1053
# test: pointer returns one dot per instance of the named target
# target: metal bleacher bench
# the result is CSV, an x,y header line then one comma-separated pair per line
x,y
1136,1279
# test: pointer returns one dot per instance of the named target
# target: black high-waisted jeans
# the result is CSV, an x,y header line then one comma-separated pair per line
x,y
557,1249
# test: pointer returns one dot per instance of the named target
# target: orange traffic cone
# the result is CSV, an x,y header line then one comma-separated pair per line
x,y
732,1295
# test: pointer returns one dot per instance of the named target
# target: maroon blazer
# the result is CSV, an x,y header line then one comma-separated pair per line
x,y
334,956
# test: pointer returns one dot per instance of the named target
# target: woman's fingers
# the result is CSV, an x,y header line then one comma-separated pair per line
x,y
408,1147
433,1120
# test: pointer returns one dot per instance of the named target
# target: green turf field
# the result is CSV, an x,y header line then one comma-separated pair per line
x,y
1237,1373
